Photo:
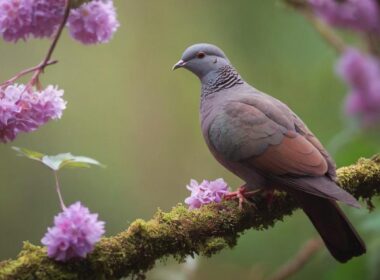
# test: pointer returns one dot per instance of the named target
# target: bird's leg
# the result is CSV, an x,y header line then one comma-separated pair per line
x,y
270,197
243,195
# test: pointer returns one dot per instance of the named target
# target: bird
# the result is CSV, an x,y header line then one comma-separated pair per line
x,y
261,140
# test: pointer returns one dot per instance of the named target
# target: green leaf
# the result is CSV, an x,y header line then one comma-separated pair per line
x,y
57,162
68,160
29,153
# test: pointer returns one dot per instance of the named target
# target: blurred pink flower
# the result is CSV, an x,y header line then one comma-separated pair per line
x,y
46,17
20,19
93,22
24,110
362,73
361,15
15,19
206,192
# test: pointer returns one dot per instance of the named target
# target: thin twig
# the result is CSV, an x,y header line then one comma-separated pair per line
x,y
303,256
58,188
47,59
27,71
373,39
326,32
52,47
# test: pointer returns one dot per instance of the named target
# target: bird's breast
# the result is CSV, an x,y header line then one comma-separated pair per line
x,y
208,115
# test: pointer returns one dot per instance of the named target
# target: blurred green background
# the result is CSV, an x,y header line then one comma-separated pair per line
x,y
127,109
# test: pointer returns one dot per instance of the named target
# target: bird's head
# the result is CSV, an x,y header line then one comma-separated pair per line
x,y
202,59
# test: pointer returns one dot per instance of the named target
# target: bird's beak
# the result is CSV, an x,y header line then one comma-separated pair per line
x,y
179,64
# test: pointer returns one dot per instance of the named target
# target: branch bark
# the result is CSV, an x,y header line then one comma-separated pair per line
x,y
179,233
325,31
303,256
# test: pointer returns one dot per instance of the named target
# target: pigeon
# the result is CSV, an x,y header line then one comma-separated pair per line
x,y
261,140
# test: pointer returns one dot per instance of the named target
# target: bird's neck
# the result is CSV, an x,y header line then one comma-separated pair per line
x,y
223,78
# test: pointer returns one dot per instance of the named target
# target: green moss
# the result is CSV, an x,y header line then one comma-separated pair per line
x,y
361,179
213,246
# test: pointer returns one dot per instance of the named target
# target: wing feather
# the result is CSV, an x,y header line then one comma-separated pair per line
x,y
264,135
259,134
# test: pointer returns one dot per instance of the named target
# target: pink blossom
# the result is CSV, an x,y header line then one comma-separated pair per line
x,y
93,22
46,17
15,19
74,234
25,110
363,15
206,192
362,73
20,19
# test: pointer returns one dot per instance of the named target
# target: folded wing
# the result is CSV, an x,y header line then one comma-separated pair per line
x,y
271,139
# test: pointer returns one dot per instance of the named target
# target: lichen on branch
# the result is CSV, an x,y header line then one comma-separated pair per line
x,y
179,233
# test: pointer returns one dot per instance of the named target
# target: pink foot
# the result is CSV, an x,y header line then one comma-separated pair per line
x,y
270,198
243,195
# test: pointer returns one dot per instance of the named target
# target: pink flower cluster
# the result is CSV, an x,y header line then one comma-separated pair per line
x,y
362,15
24,110
74,234
362,73
206,192
93,22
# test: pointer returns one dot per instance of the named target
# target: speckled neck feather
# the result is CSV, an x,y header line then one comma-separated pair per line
x,y
225,77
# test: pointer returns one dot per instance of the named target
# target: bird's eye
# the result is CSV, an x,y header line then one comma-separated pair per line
x,y
201,55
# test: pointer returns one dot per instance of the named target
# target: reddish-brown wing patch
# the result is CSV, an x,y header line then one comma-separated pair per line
x,y
294,155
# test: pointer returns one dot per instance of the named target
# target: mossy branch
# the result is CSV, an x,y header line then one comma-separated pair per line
x,y
178,233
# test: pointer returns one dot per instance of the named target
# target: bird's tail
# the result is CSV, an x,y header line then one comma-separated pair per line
x,y
338,234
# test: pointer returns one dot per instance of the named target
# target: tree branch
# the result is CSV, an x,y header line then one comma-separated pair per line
x,y
307,251
178,233
326,32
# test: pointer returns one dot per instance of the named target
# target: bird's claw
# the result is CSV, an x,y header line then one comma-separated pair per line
x,y
269,195
243,195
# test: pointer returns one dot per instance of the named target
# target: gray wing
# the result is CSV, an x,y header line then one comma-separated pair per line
x,y
271,139
246,128
258,131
